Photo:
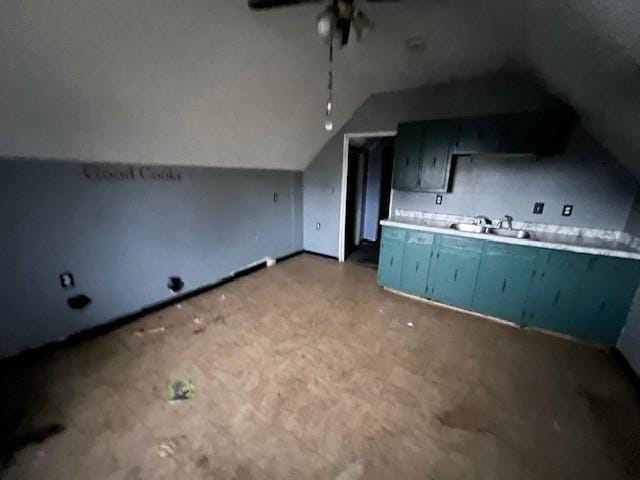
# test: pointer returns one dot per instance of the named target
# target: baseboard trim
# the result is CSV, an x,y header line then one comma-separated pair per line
x,y
323,255
118,322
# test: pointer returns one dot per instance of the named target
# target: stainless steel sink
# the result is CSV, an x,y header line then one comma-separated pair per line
x,y
500,232
503,232
468,227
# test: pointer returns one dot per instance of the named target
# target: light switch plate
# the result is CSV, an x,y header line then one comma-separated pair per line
x,y
567,210
438,199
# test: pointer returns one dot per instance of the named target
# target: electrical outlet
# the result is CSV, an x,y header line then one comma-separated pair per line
x,y
567,210
538,208
438,199
66,280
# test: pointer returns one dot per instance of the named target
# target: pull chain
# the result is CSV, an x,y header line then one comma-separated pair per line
x,y
328,124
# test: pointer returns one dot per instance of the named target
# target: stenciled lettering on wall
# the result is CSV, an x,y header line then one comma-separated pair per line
x,y
130,173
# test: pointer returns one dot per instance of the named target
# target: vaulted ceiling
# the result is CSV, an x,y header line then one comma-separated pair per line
x,y
209,82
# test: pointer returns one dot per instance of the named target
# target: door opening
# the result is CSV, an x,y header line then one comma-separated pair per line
x,y
368,171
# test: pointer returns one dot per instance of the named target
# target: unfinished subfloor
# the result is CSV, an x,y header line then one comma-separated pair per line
x,y
309,370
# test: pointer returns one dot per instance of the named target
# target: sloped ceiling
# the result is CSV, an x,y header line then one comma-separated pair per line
x,y
209,82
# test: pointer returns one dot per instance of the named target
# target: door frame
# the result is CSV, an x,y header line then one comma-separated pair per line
x,y
343,190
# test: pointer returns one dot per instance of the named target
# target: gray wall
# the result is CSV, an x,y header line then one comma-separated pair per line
x,y
383,112
122,239
586,176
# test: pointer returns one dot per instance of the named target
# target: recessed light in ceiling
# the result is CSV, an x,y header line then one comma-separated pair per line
x,y
415,44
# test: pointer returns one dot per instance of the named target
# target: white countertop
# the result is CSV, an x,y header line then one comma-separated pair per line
x,y
556,241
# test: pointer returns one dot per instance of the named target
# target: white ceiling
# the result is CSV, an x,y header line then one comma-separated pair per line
x,y
209,82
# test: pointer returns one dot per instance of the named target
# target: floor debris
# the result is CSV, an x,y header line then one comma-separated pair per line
x,y
410,324
166,449
180,390
200,326
141,331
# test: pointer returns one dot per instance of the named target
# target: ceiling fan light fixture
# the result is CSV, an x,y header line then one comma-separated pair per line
x,y
362,24
326,24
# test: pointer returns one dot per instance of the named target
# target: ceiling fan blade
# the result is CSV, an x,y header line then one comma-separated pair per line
x,y
265,4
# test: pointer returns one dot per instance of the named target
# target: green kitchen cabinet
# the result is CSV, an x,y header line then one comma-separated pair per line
x,y
503,280
391,257
406,164
476,135
555,287
454,268
435,158
418,251
605,297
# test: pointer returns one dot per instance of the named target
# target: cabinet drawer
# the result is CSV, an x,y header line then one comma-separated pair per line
x,y
508,250
461,243
420,238
391,233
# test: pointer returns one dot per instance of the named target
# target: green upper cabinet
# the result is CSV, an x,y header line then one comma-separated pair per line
x,y
391,257
503,280
454,268
555,288
416,262
407,158
423,149
435,158
605,297
476,135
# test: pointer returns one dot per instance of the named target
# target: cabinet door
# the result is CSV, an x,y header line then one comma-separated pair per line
x,y
516,133
555,288
605,298
391,254
435,163
416,261
407,156
503,280
476,135
454,268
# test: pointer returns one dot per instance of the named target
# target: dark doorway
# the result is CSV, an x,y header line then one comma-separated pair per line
x,y
369,175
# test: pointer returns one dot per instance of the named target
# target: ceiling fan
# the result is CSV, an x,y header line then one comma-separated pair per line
x,y
337,18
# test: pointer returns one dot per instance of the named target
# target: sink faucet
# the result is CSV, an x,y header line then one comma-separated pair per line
x,y
481,220
505,222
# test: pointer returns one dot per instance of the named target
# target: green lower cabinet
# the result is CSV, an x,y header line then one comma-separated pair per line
x,y
582,295
555,288
391,256
605,297
416,261
503,280
453,272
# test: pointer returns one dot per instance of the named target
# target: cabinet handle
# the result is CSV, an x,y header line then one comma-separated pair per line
x,y
555,300
434,162
533,274
455,275
602,304
431,254
391,262
407,161
504,285
417,266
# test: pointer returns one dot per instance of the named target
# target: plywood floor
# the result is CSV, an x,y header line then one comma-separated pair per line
x,y
309,370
